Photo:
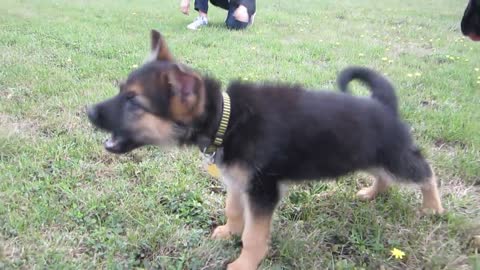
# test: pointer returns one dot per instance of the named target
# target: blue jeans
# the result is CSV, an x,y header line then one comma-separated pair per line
x,y
231,6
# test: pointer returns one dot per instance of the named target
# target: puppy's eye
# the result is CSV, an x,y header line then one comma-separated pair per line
x,y
131,102
130,96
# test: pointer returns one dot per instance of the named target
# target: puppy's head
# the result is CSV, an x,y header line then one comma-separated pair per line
x,y
471,20
155,105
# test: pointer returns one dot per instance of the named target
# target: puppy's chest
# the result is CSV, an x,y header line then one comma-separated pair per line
x,y
235,176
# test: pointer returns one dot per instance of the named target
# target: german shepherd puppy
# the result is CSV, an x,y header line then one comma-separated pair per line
x,y
275,134
471,20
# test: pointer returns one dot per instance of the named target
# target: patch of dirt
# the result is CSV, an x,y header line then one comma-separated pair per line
x,y
429,103
457,187
23,13
17,94
450,148
442,143
11,251
419,50
144,253
11,126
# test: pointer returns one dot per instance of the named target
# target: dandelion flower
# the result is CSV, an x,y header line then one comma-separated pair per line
x,y
397,253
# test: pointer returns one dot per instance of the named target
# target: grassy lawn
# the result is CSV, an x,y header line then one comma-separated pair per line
x,y
65,203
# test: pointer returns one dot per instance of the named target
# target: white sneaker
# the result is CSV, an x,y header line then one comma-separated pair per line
x,y
198,22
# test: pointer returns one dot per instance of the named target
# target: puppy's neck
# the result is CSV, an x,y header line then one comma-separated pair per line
x,y
204,128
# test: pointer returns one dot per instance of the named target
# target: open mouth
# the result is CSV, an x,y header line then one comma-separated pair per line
x,y
119,144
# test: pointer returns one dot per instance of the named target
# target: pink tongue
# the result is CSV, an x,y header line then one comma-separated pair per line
x,y
474,37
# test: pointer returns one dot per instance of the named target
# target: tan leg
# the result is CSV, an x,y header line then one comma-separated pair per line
x,y
234,213
381,183
255,241
431,196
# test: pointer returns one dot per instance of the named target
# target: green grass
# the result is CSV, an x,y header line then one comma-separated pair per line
x,y
65,203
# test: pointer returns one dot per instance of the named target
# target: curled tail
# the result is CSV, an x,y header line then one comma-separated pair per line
x,y
381,88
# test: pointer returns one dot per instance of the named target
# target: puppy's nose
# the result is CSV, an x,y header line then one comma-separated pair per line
x,y
92,113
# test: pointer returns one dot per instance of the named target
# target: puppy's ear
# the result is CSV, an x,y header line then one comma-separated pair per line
x,y
159,48
188,94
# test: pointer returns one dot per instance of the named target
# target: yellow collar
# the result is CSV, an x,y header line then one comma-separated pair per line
x,y
222,128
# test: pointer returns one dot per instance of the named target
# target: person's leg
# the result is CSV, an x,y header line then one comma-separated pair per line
x,y
252,10
225,4
232,22
240,14
202,7
245,9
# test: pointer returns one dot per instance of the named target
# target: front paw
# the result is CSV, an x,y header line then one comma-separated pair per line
x,y
432,210
367,194
432,206
222,233
239,264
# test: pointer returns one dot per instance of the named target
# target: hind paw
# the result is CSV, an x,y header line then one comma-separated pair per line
x,y
432,210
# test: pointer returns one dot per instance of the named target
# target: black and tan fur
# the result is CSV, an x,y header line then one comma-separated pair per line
x,y
276,133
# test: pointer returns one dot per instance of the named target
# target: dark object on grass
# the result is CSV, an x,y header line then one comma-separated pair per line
x,y
471,20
